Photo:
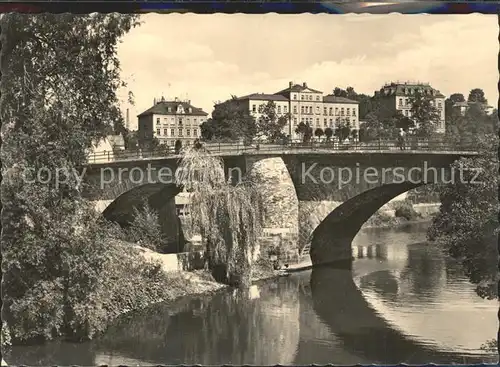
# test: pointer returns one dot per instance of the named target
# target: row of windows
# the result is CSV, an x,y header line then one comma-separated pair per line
x,y
172,120
309,109
326,122
172,132
405,102
306,97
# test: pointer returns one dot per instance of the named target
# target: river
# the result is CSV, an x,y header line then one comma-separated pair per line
x,y
402,301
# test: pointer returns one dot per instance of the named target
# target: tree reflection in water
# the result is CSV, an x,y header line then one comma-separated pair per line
x,y
228,329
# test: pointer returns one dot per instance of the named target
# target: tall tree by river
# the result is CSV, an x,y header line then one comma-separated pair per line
x,y
467,224
60,278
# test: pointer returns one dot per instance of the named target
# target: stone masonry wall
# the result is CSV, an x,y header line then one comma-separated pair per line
x,y
280,203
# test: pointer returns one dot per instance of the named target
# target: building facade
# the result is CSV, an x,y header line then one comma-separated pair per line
x,y
170,121
307,105
396,97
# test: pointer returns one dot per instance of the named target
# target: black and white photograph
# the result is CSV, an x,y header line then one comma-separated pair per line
x,y
249,189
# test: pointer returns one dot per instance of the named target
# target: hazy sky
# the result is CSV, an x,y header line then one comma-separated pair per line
x,y
209,57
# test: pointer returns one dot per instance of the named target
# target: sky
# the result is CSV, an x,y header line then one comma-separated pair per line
x,y
208,58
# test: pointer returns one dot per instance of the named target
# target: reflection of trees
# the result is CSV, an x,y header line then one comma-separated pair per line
x,y
226,329
424,270
383,282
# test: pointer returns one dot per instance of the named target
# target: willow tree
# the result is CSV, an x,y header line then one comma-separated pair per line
x,y
228,217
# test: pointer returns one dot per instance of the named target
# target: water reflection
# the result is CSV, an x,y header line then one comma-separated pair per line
x,y
399,303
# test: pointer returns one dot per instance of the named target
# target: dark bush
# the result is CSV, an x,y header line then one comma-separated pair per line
x,y
405,210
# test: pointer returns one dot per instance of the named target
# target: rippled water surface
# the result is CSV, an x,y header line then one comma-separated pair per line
x,y
403,301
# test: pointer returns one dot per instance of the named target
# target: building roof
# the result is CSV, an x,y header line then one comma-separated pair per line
x,y
407,89
162,108
296,88
330,98
263,97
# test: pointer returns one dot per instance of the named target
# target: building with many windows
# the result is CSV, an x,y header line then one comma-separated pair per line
x,y
307,105
170,121
396,97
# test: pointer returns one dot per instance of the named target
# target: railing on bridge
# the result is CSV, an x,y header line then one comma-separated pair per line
x,y
411,145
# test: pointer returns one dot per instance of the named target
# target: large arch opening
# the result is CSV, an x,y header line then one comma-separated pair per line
x,y
332,238
160,198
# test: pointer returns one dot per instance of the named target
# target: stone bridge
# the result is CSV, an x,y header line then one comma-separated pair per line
x,y
321,196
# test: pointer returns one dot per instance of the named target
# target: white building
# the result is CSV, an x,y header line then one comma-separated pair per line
x,y
306,105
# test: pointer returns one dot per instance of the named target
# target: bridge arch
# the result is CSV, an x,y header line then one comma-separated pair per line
x,y
159,197
331,239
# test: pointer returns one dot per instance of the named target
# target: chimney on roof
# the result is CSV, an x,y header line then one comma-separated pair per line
x,y
154,101
290,84
304,85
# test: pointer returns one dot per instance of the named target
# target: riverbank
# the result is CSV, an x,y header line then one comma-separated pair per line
x,y
395,222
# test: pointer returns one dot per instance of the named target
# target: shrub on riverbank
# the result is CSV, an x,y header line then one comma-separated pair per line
x,y
405,210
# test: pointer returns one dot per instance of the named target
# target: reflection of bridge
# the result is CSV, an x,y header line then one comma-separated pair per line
x,y
341,305
362,180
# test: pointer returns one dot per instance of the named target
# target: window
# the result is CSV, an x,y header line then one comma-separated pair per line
x,y
317,109
317,121
180,131
188,121
342,111
336,111
354,112
195,132
295,120
158,132
158,121
180,121
317,98
254,109
302,97
169,109
406,112
165,120
302,120
331,111
285,108
301,109
325,122
188,132
294,109
294,96
194,121
165,132
310,97
279,109
401,101
324,110
440,105
348,112
331,122
172,132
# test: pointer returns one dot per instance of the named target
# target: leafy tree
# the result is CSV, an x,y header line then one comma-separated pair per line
x,y
476,127
449,103
377,128
403,122
305,130
467,223
319,133
270,124
178,146
230,120
328,133
339,92
343,129
425,115
477,95
64,73
131,139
